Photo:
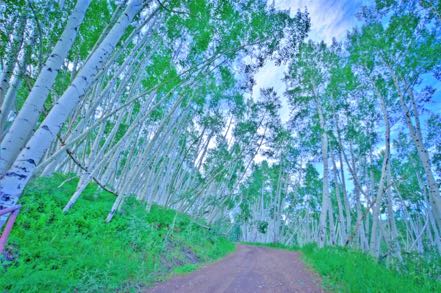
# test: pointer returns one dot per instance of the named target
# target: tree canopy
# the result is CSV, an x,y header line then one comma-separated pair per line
x,y
153,100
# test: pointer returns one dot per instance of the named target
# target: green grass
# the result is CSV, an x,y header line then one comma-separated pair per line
x,y
185,269
78,251
271,245
345,270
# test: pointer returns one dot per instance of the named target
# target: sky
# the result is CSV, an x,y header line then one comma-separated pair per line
x,y
329,19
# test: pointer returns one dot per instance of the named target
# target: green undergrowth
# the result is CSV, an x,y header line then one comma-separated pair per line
x,y
346,270
271,245
78,251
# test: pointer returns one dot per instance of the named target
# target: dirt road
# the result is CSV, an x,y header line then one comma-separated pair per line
x,y
249,269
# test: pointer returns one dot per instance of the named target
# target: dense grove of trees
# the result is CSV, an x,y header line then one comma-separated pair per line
x,y
364,151
152,99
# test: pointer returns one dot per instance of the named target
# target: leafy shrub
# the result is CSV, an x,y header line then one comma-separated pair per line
x,y
78,251
421,267
262,226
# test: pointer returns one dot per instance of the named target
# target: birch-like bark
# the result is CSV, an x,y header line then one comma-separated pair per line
x,y
343,181
382,188
394,241
7,71
87,176
14,181
23,126
415,133
95,168
342,222
325,187
9,102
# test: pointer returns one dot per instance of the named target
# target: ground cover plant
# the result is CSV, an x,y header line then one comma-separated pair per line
x,y
78,250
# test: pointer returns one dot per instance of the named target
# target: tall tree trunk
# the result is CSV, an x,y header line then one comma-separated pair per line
x,y
343,181
9,103
394,242
415,133
26,120
382,188
13,53
14,181
325,190
342,223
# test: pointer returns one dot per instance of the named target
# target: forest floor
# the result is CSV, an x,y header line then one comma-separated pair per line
x,y
248,269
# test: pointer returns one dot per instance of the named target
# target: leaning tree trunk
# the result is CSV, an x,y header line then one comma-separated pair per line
x,y
382,188
341,218
325,195
415,133
394,241
9,101
26,120
14,181
343,181
12,58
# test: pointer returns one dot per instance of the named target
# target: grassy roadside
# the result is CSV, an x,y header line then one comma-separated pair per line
x,y
78,251
271,245
346,270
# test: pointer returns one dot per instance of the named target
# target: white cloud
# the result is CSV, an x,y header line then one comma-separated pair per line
x,y
268,76
329,19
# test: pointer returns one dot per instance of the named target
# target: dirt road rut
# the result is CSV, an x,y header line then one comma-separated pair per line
x,y
249,269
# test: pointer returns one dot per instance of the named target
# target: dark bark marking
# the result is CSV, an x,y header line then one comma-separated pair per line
x,y
20,176
45,127
23,169
5,196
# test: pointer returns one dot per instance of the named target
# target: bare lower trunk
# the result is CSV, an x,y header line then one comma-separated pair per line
x,y
22,127
14,181
382,188
326,208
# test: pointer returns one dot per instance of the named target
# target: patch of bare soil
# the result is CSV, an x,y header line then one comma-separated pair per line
x,y
249,269
174,256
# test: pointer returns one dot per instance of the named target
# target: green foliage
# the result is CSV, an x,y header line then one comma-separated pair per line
x,y
95,21
185,269
420,267
345,270
262,226
62,81
78,251
272,245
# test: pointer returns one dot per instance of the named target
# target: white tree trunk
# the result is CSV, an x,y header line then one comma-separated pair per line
x,y
7,71
382,188
415,133
14,181
9,102
325,208
24,124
